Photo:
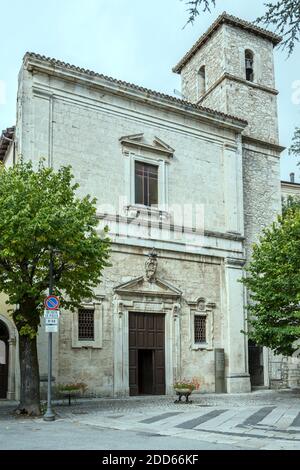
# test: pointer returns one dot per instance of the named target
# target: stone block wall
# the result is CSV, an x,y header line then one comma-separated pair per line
x,y
211,55
262,198
194,276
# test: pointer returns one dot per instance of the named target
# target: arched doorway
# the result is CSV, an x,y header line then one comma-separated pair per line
x,y
4,357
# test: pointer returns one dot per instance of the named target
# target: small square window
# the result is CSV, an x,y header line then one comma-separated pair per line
x,y
146,184
86,329
200,329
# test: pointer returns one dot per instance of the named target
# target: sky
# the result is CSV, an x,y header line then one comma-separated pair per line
x,y
134,40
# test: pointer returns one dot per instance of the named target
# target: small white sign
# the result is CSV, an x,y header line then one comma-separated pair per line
x,y
51,314
51,321
51,328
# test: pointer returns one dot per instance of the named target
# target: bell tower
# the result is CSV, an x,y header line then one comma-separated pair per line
x,y
231,69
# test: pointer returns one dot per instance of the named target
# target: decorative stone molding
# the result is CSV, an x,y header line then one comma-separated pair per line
x,y
235,262
176,311
201,307
120,308
147,294
135,150
230,146
151,266
137,141
141,287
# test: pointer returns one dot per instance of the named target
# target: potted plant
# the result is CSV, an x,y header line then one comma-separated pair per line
x,y
71,389
184,388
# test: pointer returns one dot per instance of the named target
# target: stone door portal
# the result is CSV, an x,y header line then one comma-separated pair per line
x,y
146,354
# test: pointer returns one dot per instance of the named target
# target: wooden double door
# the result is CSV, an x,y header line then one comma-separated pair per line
x,y
147,354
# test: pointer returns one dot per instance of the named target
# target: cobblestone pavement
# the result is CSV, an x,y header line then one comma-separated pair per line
x,y
263,419
260,420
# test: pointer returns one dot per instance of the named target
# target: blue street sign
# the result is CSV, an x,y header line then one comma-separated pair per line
x,y
51,302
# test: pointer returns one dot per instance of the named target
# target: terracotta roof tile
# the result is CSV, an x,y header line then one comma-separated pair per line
x,y
123,84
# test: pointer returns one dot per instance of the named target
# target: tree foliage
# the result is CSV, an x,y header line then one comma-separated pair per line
x,y
290,202
196,6
273,280
284,15
40,210
295,147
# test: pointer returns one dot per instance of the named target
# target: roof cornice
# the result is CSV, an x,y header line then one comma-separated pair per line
x,y
225,18
246,139
289,184
6,139
50,66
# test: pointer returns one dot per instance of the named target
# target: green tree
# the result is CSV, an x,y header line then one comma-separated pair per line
x,y
295,147
284,15
40,210
274,284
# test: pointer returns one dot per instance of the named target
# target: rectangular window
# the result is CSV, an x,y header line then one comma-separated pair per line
x,y
200,329
146,184
86,325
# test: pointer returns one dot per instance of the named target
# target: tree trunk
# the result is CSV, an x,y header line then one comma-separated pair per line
x,y
30,377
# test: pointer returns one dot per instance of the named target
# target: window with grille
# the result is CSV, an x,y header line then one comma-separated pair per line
x,y
86,325
146,184
200,328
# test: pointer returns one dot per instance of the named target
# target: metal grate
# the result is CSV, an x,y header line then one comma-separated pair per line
x,y
86,325
200,328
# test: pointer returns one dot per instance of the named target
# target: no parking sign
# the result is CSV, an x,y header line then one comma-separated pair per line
x,y
51,302
51,313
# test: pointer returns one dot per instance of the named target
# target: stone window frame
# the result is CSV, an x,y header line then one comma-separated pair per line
x,y
162,164
204,309
97,342
201,81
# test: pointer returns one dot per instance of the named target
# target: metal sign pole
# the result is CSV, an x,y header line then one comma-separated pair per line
x,y
49,415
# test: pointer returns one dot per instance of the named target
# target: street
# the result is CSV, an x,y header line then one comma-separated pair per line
x,y
264,420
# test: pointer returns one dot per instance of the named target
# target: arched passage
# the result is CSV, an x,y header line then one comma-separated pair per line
x,y
8,354
4,359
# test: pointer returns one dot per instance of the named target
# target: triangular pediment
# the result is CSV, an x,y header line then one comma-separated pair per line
x,y
161,144
142,287
139,141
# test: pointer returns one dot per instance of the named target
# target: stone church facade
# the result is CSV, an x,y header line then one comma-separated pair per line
x,y
185,186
